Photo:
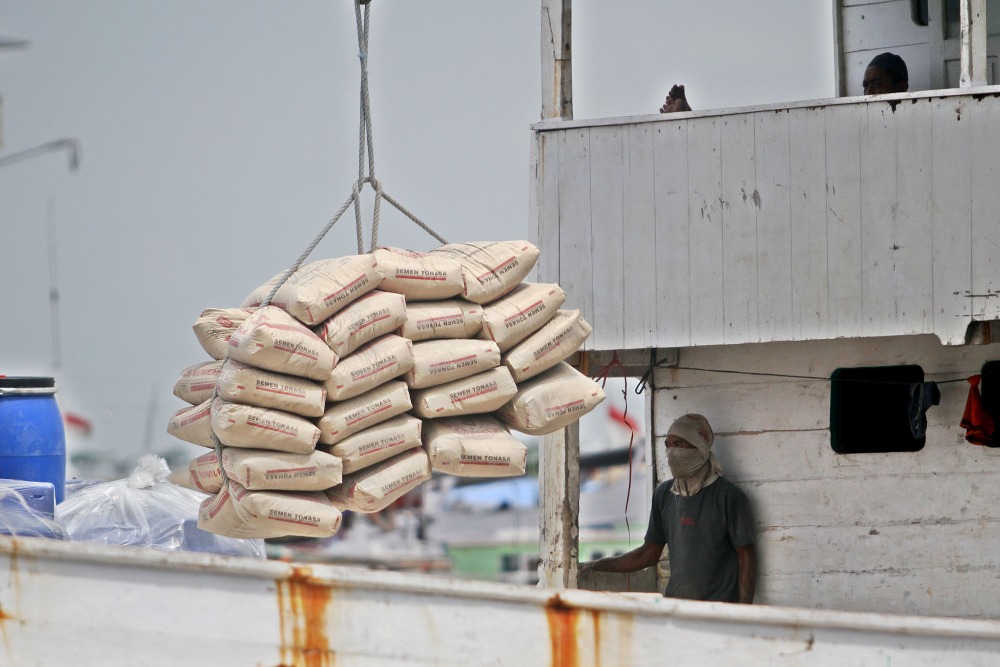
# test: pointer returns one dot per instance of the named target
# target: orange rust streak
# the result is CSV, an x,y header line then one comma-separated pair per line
x,y
562,632
302,606
595,617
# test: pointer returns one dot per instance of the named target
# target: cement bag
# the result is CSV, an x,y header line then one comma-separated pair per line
x,y
266,470
193,424
548,402
377,443
482,392
419,276
554,342
237,512
345,418
369,366
520,313
201,474
238,425
217,514
370,316
490,269
474,446
273,340
319,289
214,326
245,384
196,383
376,487
438,361
455,318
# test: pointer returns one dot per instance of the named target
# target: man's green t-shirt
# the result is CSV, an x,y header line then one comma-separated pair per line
x,y
702,532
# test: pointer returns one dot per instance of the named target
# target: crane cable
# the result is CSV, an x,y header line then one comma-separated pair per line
x,y
365,148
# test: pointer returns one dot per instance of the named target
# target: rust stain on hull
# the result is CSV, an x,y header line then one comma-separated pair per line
x,y
302,607
563,620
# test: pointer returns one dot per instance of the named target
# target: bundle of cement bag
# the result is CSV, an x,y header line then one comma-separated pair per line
x,y
366,373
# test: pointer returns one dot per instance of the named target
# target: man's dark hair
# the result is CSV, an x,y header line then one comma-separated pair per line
x,y
892,64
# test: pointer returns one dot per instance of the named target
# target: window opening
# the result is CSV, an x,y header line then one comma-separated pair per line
x,y
870,409
953,18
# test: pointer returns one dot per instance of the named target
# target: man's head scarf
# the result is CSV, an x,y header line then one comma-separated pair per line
x,y
696,431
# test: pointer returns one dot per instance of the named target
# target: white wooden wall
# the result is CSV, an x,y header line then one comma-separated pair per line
x,y
872,27
912,533
933,62
849,217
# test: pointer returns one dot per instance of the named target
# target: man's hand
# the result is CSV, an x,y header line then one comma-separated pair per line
x,y
676,101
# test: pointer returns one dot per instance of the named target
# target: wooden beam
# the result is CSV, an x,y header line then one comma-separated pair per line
x,y
557,61
559,455
559,516
973,23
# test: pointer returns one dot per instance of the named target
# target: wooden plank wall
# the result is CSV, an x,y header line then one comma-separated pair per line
x,y
872,27
912,533
854,218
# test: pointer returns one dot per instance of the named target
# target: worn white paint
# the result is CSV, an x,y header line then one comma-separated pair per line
x,y
912,533
557,61
973,46
559,507
559,462
71,604
848,218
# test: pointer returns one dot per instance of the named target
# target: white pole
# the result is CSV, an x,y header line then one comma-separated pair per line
x,y
559,452
557,60
973,20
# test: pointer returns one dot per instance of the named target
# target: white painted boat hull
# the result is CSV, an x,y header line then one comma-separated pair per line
x,y
71,603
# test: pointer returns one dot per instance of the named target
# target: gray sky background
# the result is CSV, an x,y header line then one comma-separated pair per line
x,y
219,137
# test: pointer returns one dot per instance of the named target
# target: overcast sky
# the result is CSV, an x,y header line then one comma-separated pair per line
x,y
219,137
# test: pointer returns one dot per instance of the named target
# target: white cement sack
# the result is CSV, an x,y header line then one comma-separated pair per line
x,y
217,514
238,425
369,366
319,289
377,443
376,487
549,401
419,276
554,342
454,318
482,392
273,340
266,470
520,313
214,326
193,424
245,384
196,383
238,512
490,269
439,361
344,418
200,474
370,316
474,446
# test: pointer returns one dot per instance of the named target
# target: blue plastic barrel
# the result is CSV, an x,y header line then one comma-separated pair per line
x,y
32,440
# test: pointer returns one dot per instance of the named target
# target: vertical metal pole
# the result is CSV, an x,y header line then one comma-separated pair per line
x,y
559,455
973,22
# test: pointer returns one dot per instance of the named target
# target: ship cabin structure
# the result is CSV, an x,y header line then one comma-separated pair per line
x,y
799,274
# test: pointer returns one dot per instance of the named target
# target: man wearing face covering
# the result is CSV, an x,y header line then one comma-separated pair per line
x,y
704,520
